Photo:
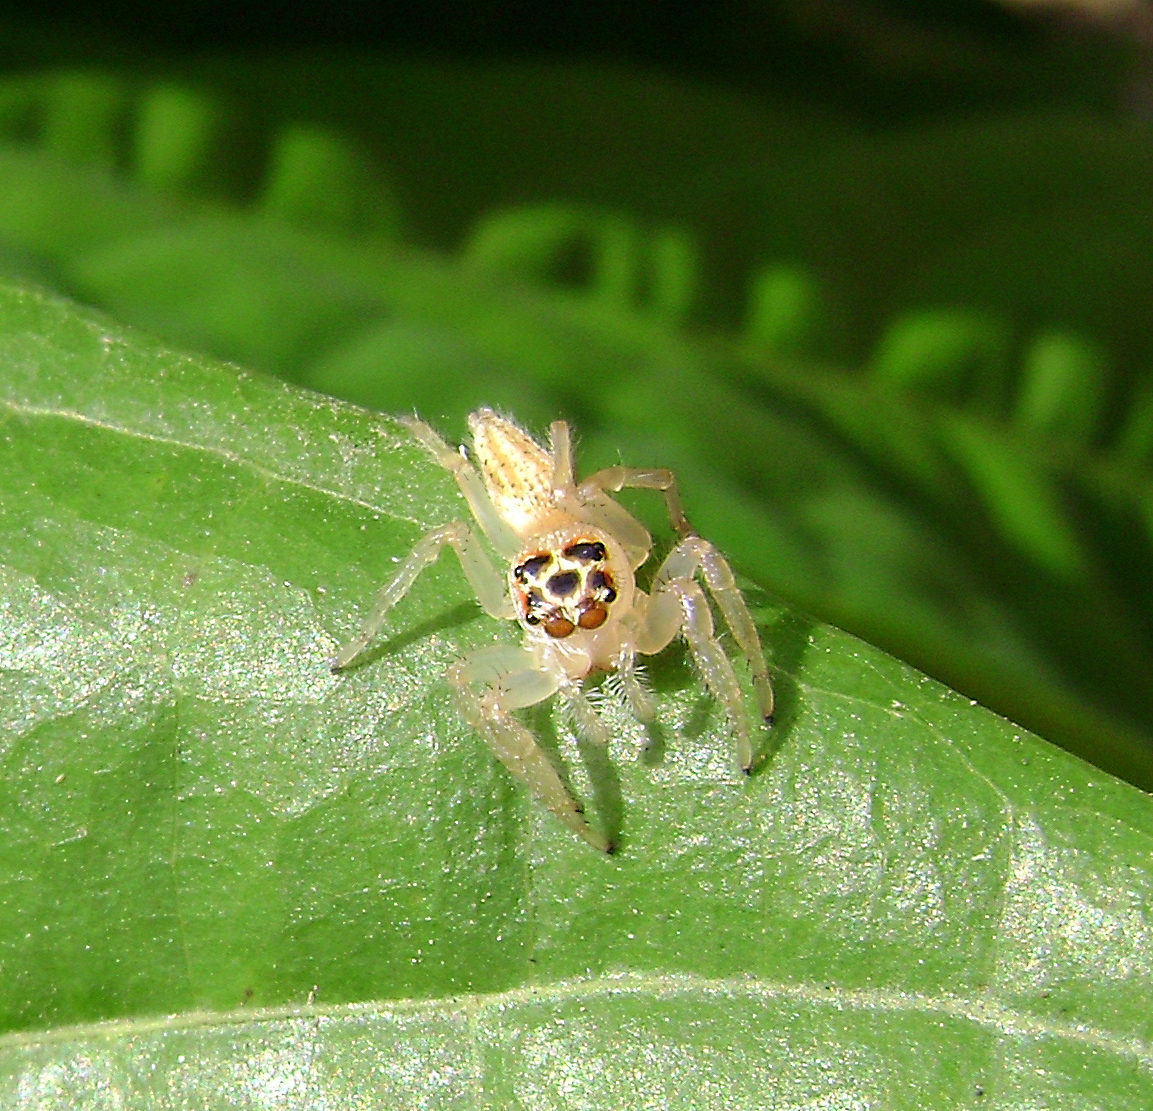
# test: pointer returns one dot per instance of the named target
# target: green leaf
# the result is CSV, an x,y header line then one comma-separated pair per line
x,y
337,895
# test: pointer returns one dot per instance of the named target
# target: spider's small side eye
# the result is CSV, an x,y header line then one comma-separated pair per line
x,y
600,581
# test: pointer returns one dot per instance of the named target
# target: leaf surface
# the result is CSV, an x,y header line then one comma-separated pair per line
x,y
337,894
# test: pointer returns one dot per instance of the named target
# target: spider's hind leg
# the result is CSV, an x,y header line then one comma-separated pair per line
x,y
510,680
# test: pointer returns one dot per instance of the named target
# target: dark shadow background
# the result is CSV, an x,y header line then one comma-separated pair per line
x,y
885,59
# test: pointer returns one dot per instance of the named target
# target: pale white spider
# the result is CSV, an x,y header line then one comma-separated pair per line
x,y
572,552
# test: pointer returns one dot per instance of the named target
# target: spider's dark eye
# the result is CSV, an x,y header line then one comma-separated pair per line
x,y
563,584
531,568
601,582
587,551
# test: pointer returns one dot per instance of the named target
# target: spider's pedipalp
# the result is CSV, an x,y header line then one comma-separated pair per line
x,y
588,721
640,702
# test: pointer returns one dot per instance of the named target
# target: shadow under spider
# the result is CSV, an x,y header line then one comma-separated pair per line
x,y
785,640
786,643
454,618
606,784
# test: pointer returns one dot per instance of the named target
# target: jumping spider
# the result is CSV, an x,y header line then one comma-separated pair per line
x,y
572,552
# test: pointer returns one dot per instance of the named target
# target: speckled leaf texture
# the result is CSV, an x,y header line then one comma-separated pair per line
x,y
229,878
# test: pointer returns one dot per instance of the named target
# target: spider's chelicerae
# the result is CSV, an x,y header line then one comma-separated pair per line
x,y
572,553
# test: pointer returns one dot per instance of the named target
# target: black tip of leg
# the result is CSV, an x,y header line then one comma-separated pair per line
x,y
610,848
770,720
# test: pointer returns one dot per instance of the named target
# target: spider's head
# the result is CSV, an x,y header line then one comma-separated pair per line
x,y
562,589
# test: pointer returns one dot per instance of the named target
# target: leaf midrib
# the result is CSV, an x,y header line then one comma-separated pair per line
x,y
658,987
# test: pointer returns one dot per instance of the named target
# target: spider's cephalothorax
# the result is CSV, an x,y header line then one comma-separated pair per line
x,y
571,551
565,589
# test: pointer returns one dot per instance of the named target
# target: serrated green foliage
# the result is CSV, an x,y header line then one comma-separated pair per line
x,y
1063,390
912,901
945,353
786,315
601,254
175,136
80,116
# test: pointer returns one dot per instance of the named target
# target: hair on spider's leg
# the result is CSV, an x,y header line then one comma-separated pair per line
x,y
629,678
584,714
631,683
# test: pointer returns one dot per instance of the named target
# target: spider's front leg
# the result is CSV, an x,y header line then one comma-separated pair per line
x,y
511,679
486,582
675,588
471,485
612,480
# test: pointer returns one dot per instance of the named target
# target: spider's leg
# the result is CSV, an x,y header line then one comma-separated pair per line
x,y
715,667
471,486
636,695
483,577
612,480
511,679
682,563
562,476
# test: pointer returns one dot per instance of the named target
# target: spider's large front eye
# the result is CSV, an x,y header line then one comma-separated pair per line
x,y
559,627
593,616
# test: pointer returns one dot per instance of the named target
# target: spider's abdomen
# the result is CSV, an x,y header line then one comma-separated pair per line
x,y
517,471
565,589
